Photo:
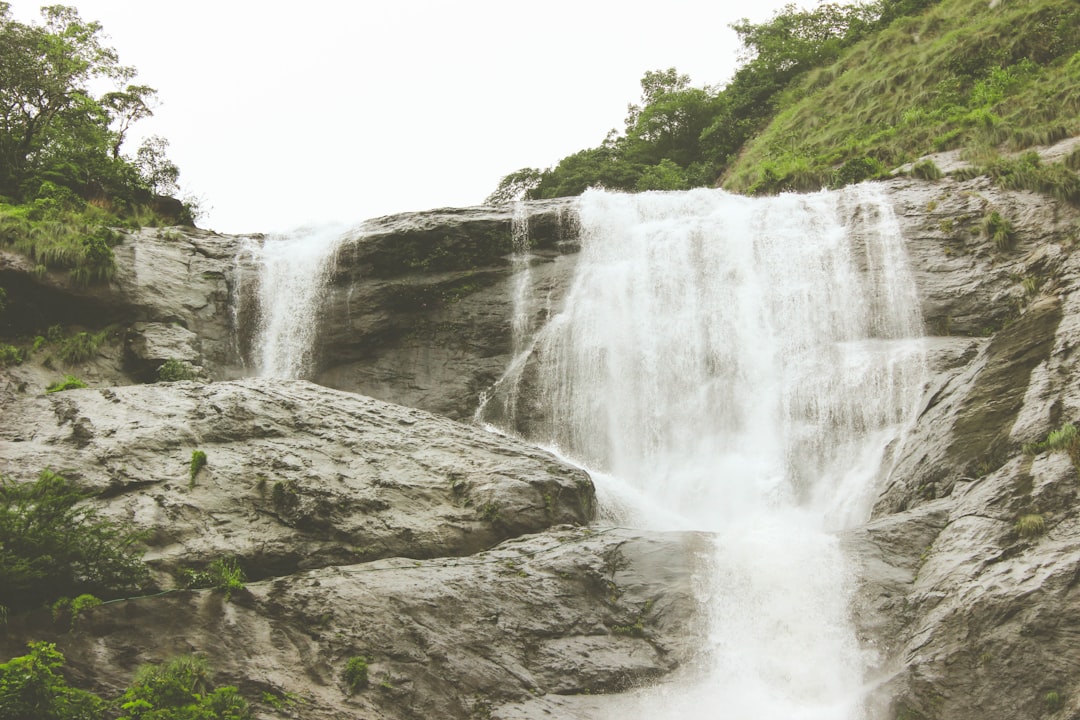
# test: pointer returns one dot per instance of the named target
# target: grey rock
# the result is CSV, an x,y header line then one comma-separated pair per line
x,y
297,475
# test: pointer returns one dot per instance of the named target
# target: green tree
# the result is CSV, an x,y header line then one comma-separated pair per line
x,y
31,688
51,545
53,129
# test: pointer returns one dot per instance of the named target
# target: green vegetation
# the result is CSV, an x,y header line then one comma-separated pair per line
x,y
32,687
174,371
999,230
180,690
70,382
1052,701
1029,526
64,180
1065,439
80,347
52,546
222,574
900,79
10,355
356,673
198,462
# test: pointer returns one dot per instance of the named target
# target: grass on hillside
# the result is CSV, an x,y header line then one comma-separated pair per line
x,y
961,75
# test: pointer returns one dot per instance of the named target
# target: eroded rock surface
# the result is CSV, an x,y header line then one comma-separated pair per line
x,y
297,475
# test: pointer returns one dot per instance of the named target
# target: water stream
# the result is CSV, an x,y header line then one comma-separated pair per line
x,y
728,364
739,366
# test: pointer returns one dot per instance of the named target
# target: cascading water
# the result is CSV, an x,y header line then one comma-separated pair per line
x,y
293,274
739,365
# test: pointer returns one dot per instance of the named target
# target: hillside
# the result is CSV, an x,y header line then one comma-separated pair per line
x,y
844,93
983,78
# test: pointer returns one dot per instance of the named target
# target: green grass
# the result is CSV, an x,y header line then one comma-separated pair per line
x,y
69,382
960,75
1029,526
78,242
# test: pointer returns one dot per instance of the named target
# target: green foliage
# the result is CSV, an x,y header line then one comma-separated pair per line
x,y
198,462
180,690
356,673
31,688
70,382
222,574
80,347
10,355
1052,700
60,143
173,370
72,608
51,545
1029,526
999,230
961,74
926,170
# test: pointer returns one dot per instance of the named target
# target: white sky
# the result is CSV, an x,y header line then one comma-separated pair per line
x,y
285,114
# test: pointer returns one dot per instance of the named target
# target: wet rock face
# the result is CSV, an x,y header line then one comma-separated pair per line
x,y
567,612
968,568
297,475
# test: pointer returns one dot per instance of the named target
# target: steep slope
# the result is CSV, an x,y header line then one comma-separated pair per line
x,y
965,74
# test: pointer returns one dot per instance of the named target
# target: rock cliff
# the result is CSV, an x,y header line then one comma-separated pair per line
x,y
462,564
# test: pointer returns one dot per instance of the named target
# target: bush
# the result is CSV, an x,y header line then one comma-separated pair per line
x,y
175,371
32,688
356,673
10,355
1029,526
70,382
222,574
999,230
80,347
180,690
50,546
926,170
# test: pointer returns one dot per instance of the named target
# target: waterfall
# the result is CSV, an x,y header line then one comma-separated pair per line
x,y
739,365
293,273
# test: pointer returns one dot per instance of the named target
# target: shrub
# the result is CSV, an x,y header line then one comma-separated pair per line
x,y
175,371
10,355
356,673
50,546
999,230
222,574
180,690
198,462
80,347
926,170
70,382
32,687
1029,526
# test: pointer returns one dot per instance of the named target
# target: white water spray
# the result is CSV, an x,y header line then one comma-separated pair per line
x,y
738,365
293,278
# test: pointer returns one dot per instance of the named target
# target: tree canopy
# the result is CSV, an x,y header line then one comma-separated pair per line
x,y
60,139
680,136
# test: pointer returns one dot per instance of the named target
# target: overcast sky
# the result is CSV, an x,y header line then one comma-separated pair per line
x,y
286,114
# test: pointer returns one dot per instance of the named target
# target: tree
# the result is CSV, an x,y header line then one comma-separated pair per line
x,y
52,127
51,545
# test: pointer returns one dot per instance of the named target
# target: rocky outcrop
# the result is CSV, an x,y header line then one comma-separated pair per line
x,y
309,487
969,565
373,530
297,476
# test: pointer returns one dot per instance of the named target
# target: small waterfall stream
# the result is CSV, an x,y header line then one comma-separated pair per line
x,y
293,273
738,365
